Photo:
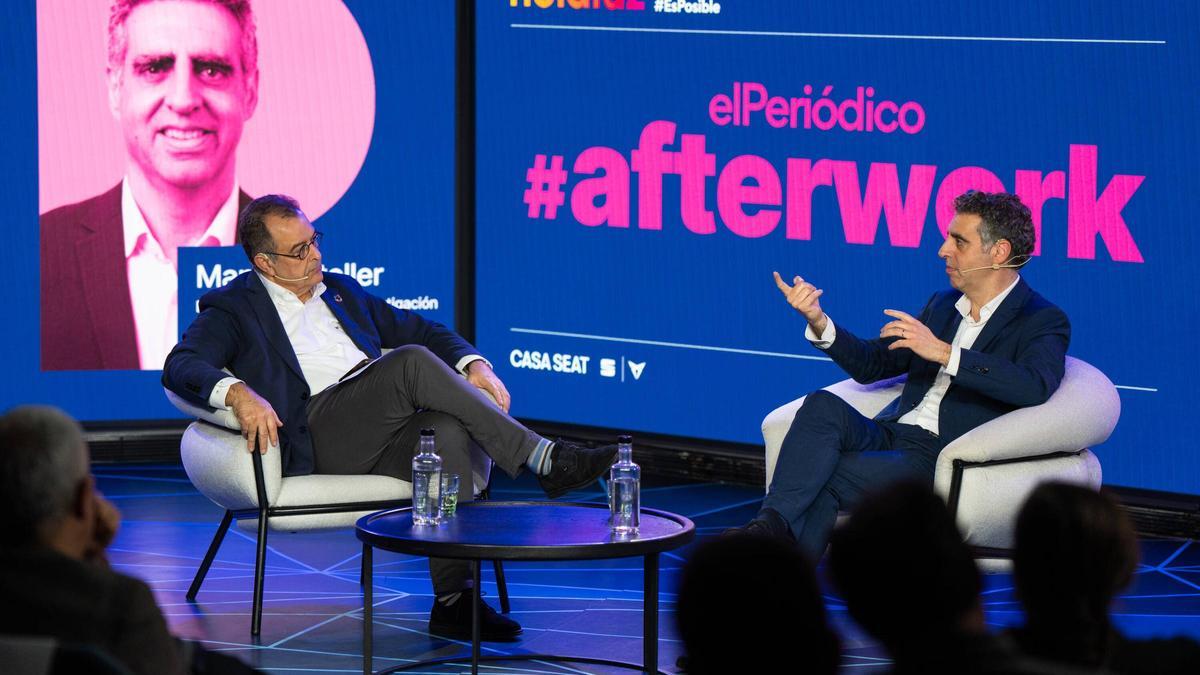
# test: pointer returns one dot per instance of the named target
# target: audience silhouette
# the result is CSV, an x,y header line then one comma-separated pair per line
x,y
1075,550
909,580
54,576
752,605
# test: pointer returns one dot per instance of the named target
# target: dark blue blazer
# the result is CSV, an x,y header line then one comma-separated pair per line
x,y
239,328
1017,361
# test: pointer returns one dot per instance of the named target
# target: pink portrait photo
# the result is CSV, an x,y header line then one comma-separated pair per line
x,y
157,121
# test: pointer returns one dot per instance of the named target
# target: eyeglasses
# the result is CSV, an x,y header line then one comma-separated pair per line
x,y
302,254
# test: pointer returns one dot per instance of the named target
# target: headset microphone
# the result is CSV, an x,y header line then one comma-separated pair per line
x,y
303,278
998,266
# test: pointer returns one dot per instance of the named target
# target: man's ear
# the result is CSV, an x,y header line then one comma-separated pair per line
x,y
262,263
83,501
251,94
1002,251
114,91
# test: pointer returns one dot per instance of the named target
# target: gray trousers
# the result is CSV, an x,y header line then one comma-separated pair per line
x,y
371,423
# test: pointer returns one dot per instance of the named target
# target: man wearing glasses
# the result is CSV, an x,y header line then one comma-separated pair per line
x,y
305,348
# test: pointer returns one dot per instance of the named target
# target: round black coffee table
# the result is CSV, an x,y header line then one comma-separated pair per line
x,y
524,531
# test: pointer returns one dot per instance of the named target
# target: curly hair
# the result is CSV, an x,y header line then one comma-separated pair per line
x,y
1003,216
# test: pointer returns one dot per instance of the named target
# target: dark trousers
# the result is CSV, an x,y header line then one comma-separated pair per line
x,y
371,423
832,455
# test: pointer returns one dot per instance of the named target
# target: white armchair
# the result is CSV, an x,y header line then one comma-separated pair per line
x,y
252,486
986,474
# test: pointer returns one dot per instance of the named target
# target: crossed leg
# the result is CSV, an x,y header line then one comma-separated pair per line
x,y
832,455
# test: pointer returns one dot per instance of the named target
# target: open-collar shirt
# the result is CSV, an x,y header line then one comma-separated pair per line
x,y
925,415
153,279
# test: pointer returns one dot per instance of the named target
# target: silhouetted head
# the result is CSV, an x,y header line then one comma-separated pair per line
x,y
752,605
45,483
902,567
1075,550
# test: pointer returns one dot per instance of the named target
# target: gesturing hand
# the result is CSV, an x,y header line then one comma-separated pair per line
x,y
259,422
480,374
803,297
916,336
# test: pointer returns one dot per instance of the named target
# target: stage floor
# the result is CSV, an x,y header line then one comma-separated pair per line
x,y
312,606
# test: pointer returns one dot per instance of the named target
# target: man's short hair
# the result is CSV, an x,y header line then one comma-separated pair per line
x,y
1075,550
252,222
1003,216
43,457
902,549
751,604
240,9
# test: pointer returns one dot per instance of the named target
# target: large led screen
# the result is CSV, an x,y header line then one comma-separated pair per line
x,y
644,167
137,130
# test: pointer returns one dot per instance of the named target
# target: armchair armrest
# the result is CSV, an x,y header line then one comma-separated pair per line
x,y
218,464
1081,414
868,399
221,418
216,460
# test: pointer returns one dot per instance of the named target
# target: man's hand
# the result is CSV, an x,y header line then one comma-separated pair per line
x,y
107,520
916,336
803,297
259,422
480,374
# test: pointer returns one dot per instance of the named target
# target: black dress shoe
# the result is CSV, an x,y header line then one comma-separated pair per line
x,y
573,466
454,621
769,523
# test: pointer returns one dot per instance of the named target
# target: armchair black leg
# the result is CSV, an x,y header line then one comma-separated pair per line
x,y
501,585
208,557
362,569
260,563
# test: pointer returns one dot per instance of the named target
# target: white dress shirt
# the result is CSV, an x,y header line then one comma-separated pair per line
x,y
153,278
925,415
324,350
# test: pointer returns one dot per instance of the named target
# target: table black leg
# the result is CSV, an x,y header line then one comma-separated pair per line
x,y
475,611
650,613
368,585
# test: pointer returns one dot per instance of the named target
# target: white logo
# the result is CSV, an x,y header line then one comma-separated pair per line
x,y
636,369
608,368
688,6
558,363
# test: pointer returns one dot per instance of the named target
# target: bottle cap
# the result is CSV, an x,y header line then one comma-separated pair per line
x,y
625,439
427,431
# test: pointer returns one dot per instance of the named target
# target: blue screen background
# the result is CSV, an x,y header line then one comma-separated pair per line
x,y
720,347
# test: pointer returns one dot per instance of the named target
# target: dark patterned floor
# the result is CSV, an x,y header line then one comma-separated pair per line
x,y
313,606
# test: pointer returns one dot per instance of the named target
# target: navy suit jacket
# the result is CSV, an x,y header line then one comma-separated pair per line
x,y
239,328
1017,360
87,316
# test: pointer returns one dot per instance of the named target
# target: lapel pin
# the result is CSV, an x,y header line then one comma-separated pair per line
x,y
337,297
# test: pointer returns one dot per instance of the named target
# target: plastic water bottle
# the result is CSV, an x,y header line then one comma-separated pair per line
x,y
624,490
427,481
